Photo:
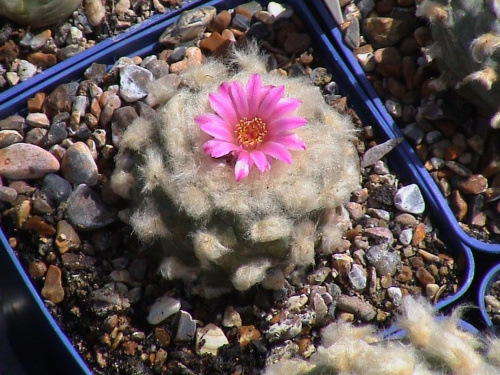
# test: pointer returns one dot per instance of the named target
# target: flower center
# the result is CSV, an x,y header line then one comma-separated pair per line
x,y
250,133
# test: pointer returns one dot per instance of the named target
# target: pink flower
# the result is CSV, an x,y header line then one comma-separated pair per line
x,y
252,124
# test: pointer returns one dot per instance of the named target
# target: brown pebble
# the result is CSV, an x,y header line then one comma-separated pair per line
x,y
453,152
36,223
67,238
52,288
418,234
37,269
220,22
385,31
458,205
406,274
43,60
162,336
247,334
215,44
296,42
424,277
423,36
35,103
192,57
474,184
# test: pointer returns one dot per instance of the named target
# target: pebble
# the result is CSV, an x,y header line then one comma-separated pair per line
x,y
133,82
385,31
424,276
52,288
95,11
409,199
55,188
78,165
26,70
352,34
163,308
122,118
26,161
474,184
384,261
192,57
354,305
86,211
357,277
9,137
188,27
381,234
66,237
377,152
184,326
231,318
248,334
209,339
296,42
295,303
406,236
105,300
285,330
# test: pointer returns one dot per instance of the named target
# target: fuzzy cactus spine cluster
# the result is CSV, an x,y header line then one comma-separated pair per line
x,y
466,36
214,232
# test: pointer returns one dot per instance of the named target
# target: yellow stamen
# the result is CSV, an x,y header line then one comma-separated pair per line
x,y
250,133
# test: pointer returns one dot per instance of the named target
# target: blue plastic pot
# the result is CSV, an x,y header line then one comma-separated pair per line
x,y
439,206
20,302
492,275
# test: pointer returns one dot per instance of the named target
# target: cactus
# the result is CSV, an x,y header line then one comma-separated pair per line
x,y
466,46
219,227
37,13
433,346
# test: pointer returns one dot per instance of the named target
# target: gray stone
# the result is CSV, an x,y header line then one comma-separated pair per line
x,y
133,82
352,33
57,133
354,305
377,152
86,211
184,326
414,133
105,300
406,236
357,277
163,308
384,261
285,330
409,199
25,70
56,189
78,165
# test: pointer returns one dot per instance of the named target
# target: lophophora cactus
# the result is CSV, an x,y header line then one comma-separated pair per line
x,y
37,13
466,46
217,232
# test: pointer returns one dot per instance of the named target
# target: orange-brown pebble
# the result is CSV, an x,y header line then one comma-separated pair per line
x,y
418,234
247,334
37,269
52,288
35,103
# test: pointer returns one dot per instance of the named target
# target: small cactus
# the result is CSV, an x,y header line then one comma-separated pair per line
x,y
219,223
37,13
466,46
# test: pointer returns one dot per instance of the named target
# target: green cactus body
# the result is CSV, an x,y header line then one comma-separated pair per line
x,y
37,13
467,48
218,234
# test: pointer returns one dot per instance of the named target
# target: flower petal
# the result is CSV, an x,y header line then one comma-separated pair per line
x,y
260,160
239,100
277,151
242,166
223,106
223,89
268,104
253,89
285,124
285,106
215,126
290,141
216,148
